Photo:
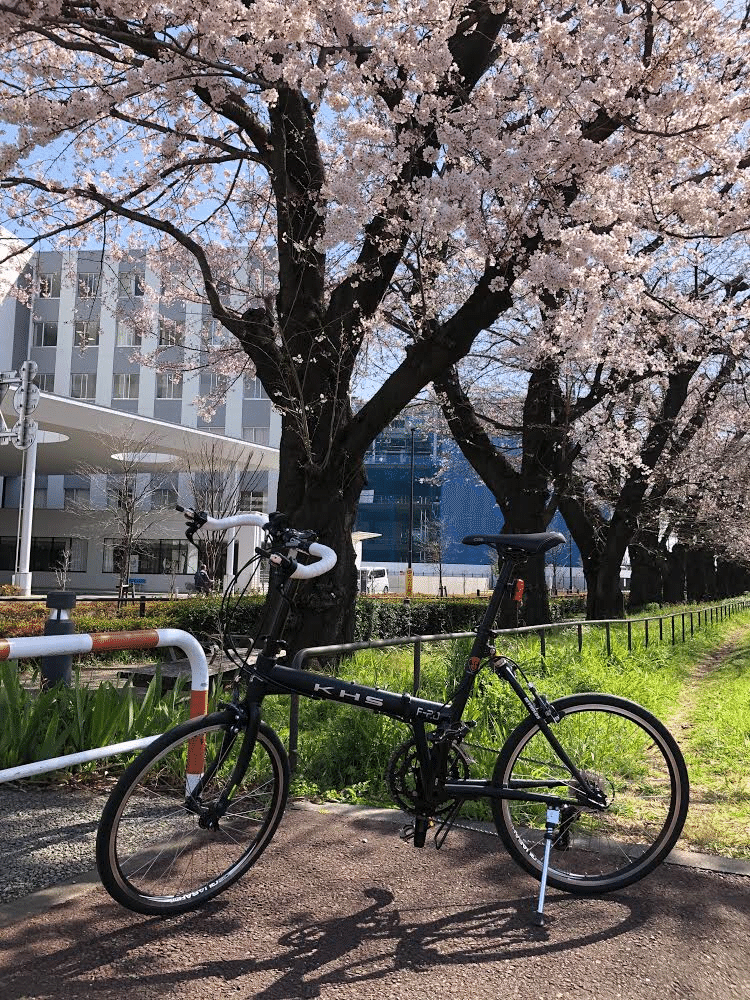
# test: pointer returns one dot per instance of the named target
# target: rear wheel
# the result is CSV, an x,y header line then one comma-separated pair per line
x,y
627,755
162,851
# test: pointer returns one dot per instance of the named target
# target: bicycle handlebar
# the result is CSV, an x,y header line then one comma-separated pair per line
x,y
326,557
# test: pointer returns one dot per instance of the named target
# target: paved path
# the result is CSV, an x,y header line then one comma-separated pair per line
x,y
340,907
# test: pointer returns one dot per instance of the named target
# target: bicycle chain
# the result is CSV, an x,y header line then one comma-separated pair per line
x,y
464,826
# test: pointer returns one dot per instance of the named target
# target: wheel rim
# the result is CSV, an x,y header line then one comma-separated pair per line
x,y
627,759
160,850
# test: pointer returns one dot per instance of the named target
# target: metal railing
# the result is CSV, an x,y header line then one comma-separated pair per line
x,y
82,642
690,621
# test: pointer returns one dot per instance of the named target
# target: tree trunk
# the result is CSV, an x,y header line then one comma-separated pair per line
x,y
524,516
647,563
701,575
523,495
604,595
674,578
326,502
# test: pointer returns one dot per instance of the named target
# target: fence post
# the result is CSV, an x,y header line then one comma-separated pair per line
x,y
630,636
417,665
645,631
673,638
683,626
609,639
580,637
293,731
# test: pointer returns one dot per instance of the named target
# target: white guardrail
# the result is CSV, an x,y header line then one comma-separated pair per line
x,y
99,642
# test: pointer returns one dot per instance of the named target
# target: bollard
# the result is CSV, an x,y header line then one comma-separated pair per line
x,y
59,668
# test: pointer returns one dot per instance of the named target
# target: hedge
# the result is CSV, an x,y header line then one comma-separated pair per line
x,y
376,618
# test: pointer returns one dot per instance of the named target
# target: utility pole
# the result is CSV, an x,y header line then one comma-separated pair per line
x,y
23,437
570,562
409,570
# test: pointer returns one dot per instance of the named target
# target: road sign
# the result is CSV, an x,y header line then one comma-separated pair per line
x,y
25,432
32,394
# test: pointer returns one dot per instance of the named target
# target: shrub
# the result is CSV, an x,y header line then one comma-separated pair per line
x,y
388,619
562,609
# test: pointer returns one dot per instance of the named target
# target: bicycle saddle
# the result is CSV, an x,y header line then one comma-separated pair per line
x,y
527,544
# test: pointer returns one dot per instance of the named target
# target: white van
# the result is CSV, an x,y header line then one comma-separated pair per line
x,y
374,581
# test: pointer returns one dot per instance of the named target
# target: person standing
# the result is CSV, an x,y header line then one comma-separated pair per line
x,y
203,582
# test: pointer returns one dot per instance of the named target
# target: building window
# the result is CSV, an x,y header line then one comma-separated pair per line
x,y
213,384
168,387
127,335
88,284
45,381
253,500
87,333
155,556
49,554
125,387
252,389
83,385
40,497
257,435
215,335
45,334
49,285
131,284
76,498
163,499
171,332
119,497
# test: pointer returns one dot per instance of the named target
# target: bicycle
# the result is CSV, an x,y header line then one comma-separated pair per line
x,y
588,794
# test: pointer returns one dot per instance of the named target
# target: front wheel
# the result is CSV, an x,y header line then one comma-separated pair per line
x,y
626,755
169,839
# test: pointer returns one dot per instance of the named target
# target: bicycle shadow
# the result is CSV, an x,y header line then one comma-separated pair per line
x,y
377,941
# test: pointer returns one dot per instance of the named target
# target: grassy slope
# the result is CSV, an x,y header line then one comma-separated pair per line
x,y
716,742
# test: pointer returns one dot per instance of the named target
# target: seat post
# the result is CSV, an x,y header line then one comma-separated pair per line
x,y
484,629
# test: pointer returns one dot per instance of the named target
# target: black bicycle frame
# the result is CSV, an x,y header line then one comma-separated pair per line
x,y
268,677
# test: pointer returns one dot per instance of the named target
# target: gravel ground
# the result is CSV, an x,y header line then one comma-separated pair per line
x,y
47,836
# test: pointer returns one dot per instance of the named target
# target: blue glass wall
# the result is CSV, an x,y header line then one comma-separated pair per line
x,y
457,499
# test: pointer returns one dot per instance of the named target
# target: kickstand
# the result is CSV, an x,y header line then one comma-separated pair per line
x,y
444,829
553,818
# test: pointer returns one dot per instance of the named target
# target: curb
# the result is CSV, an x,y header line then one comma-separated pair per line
x,y
55,895
685,859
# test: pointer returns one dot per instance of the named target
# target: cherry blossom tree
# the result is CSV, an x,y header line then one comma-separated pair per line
x,y
320,144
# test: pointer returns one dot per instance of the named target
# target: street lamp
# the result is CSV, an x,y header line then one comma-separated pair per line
x,y
409,570
570,562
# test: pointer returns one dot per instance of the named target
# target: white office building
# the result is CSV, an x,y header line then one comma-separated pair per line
x,y
85,330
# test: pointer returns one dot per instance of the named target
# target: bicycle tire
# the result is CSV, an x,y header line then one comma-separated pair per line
x,y
152,854
632,757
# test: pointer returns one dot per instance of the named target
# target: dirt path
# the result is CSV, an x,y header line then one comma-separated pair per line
x,y
705,829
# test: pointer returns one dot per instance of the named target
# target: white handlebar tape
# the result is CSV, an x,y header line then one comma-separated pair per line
x,y
326,557
327,560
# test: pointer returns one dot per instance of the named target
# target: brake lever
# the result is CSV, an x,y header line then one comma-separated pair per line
x,y
195,519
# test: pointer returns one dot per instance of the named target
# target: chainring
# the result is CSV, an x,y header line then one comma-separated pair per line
x,y
404,782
